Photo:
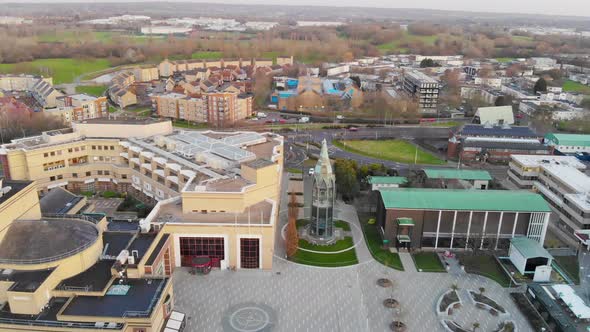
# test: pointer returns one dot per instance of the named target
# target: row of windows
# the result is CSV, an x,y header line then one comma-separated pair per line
x,y
75,175
59,152
103,147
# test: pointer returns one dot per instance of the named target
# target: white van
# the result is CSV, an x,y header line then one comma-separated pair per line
x,y
304,119
261,115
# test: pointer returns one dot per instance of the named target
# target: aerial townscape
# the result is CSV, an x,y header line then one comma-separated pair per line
x,y
241,167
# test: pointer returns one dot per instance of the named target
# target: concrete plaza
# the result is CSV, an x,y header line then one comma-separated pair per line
x,y
306,298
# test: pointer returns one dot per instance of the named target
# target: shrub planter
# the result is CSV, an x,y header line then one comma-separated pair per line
x,y
384,282
397,326
391,303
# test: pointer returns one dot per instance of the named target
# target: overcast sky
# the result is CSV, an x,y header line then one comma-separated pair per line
x,y
548,7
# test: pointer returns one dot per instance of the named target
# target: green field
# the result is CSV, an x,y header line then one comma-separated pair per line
x,y
428,262
76,36
62,70
571,86
393,150
523,38
375,245
93,90
397,45
184,124
207,55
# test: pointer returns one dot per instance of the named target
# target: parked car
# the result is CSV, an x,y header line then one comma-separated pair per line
x,y
340,117
261,115
311,171
353,129
304,119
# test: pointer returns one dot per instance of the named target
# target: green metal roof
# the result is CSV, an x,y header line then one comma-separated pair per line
x,y
405,221
529,248
387,180
461,174
463,200
568,139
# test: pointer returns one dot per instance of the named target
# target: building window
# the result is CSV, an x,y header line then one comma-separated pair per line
x,y
88,173
123,176
201,246
46,155
59,177
94,147
249,253
70,150
99,172
112,147
74,175
107,173
52,178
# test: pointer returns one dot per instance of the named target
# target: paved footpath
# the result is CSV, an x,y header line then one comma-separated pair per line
x,y
407,262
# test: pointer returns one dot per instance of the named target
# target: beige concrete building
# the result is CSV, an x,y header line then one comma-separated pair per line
x,y
70,273
215,193
40,88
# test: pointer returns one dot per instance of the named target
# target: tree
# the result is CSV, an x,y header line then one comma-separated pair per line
x,y
585,103
346,178
540,85
503,100
475,326
292,237
427,63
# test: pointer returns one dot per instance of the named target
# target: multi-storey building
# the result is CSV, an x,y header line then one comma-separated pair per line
x,y
83,106
215,193
423,88
65,272
220,109
566,189
568,143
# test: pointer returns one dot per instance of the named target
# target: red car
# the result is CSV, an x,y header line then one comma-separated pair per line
x,y
282,121
353,129
519,116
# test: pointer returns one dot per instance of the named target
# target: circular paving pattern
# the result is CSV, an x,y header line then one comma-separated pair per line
x,y
249,317
384,282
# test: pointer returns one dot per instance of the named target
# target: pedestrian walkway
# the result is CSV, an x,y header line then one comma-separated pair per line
x,y
407,262
348,213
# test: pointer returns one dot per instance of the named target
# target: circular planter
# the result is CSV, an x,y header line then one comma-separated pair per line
x,y
397,326
384,282
390,303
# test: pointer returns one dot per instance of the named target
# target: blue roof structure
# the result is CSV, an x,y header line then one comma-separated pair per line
x,y
497,131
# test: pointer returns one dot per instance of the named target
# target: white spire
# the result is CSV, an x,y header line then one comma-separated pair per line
x,y
324,167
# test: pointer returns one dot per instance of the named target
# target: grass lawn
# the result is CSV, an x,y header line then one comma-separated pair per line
x,y
342,224
571,86
294,170
339,245
484,265
184,124
112,109
504,60
443,124
393,150
374,242
569,264
62,70
523,38
271,55
93,90
326,260
398,45
428,262
207,55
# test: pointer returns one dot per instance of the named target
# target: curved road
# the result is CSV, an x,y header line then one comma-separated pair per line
x,y
296,154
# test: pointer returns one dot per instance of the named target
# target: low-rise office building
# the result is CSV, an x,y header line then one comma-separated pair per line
x,y
524,170
461,219
566,189
82,107
568,143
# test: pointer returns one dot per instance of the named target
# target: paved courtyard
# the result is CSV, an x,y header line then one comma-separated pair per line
x,y
305,298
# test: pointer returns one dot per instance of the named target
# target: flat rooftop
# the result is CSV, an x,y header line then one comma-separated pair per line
x,y
259,213
46,240
139,301
24,281
141,244
570,176
94,279
114,242
463,200
497,131
16,187
536,161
